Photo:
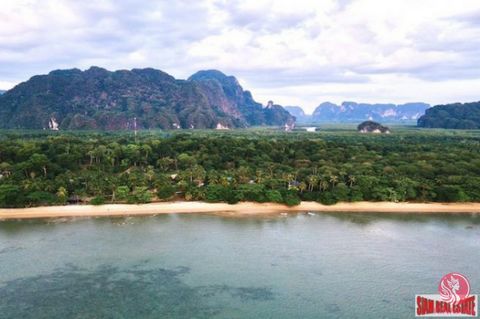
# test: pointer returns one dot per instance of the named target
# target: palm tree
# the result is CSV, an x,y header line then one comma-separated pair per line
x,y
99,153
323,185
213,178
146,149
312,181
259,174
224,181
110,156
271,168
62,193
5,168
164,163
150,173
333,180
288,177
351,180
302,187
91,154
199,174
243,174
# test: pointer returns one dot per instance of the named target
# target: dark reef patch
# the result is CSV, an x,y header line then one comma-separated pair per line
x,y
110,292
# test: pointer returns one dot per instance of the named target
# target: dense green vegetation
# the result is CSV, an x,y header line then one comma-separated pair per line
x,y
39,168
146,98
452,116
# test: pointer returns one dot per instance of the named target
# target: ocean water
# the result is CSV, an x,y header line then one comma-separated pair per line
x,y
203,266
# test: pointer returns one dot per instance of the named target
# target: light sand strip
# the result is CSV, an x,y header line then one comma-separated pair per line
x,y
244,208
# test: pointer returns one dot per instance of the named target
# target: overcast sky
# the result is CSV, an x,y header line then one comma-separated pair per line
x,y
295,52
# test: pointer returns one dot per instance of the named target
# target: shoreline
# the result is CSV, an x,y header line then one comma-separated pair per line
x,y
240,209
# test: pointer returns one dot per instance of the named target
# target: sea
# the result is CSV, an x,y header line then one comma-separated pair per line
x,y
305,265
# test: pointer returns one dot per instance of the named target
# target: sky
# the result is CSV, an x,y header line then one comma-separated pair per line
x,y
300,52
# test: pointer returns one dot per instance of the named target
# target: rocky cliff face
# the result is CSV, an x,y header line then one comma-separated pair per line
x,y
100,99
226,94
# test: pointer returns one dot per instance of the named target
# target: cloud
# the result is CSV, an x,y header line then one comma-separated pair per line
x,y
264,16
37,36
300,52
471,18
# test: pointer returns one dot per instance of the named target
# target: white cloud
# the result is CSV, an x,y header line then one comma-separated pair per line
x,y
295,52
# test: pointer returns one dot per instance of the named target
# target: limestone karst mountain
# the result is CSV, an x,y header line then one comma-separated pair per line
x,y
348,112
455,116
99,99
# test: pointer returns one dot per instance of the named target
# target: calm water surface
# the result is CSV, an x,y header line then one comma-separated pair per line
x,y
201,266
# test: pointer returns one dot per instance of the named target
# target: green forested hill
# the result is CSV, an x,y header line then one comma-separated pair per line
x,y
100,99
454,116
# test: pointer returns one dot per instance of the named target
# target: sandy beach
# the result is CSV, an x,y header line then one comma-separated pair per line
x,y
240,209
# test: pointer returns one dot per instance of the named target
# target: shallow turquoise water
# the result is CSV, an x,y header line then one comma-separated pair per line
x,y
201,266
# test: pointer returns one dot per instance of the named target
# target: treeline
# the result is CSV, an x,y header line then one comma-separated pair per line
x,y
46,169
452,116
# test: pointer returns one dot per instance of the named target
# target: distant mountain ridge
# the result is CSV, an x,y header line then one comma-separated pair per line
x,y
452,116
358,112
298,112
146,98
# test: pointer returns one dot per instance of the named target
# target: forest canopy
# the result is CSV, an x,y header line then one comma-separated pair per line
x,y
46,168
452,116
